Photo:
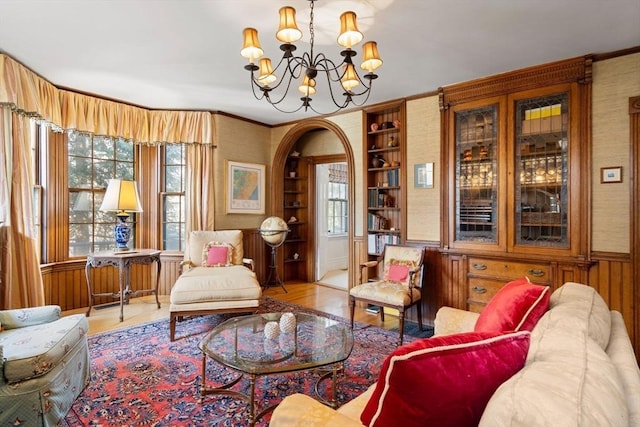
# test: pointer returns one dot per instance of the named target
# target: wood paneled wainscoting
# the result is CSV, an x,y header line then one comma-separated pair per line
x,y
65,283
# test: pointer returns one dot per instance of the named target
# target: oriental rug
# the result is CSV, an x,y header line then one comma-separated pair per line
x,y
140,378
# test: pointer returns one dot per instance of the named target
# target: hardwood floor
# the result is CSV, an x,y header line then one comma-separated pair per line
x,y
313,295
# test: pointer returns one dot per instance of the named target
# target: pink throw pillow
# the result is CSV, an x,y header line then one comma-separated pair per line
x,y
216,254
398,273
444,381
516,307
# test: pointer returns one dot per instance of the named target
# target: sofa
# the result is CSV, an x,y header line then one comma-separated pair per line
x,y
45,364
579,370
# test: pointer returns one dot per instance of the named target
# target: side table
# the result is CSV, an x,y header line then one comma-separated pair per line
x,y
123,261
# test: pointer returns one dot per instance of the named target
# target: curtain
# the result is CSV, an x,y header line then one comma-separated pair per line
x,y
199,191
21,280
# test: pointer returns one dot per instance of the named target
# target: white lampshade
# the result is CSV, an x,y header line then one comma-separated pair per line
x,y
121,196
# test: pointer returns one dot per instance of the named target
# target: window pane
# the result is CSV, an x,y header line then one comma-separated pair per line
x,y
103,147
80,237
103,171
124,170
80,172
174,178
124,150
79,144
174,211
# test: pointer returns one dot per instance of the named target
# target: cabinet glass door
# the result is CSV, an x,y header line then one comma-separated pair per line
x,y
476,174
541,165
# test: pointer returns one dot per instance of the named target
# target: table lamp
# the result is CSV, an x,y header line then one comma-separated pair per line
x,y
121,197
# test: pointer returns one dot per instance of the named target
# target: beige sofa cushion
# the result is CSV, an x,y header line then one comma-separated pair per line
x,y
197,239
580,308
204,284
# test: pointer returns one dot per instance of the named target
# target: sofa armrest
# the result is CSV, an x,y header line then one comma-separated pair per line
x,y
21,317
185,265
249,263
452,321
299,410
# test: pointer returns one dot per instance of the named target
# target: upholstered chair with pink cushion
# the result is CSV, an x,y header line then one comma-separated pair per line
x,y
215,277
399,286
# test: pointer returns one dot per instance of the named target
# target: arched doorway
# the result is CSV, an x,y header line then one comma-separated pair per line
x,y
277,172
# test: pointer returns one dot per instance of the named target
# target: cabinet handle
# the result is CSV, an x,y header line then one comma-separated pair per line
x,y
536,272
480,266
479,289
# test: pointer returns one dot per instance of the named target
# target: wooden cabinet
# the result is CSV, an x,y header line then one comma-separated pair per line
x,y
295,250
385,176
515,155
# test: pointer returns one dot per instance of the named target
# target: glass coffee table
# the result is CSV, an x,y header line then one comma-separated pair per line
x,y
240,344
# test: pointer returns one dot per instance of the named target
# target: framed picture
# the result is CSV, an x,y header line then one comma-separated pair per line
x,y
611,174
245,188
423,175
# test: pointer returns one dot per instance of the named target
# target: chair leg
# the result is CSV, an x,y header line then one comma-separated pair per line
x,y
352,309
401,325
381,312
172,327
420,317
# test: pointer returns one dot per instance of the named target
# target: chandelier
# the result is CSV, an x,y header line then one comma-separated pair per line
x,y
343,81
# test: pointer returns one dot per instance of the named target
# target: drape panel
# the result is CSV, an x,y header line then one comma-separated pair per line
x,y
199,191
26,92
22,284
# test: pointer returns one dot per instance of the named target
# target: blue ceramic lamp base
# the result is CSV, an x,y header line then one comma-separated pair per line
x,y
122,232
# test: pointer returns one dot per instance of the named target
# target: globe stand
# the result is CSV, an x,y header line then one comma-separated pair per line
x,y
273,279
274,237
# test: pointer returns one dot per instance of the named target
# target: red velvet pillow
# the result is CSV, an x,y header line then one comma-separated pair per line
x,y
444,381
398,273
516,307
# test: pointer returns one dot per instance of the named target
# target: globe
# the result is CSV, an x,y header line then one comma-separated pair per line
x,y
274,230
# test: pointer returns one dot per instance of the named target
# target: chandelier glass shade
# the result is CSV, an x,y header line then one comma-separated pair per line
x,y
344,84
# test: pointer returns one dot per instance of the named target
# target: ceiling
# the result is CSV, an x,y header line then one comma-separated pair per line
x,y
185,54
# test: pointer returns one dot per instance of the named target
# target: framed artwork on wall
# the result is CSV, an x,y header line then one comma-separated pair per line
x,y
423,175
245,188
611,174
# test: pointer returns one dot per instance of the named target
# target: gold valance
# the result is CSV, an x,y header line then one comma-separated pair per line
x,y
26,92
102,117
181,126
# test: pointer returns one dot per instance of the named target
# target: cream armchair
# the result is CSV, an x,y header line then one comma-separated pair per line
x,y
45,364
210,285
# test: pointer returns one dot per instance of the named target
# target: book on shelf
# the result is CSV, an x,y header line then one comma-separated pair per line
x,y
377,242
373,309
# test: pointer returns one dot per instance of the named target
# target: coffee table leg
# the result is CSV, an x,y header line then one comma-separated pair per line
x,y
252,405
203,384
334,392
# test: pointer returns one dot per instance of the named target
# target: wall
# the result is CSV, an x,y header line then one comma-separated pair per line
x,y
423,146
614,82
239,140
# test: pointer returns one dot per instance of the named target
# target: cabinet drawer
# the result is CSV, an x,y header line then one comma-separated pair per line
x,y
482,290
509,270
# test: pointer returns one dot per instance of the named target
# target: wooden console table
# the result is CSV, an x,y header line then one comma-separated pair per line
x,y
123,261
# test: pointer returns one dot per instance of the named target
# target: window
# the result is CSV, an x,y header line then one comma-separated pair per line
x,y
172,197
93,160
337,208
38,140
